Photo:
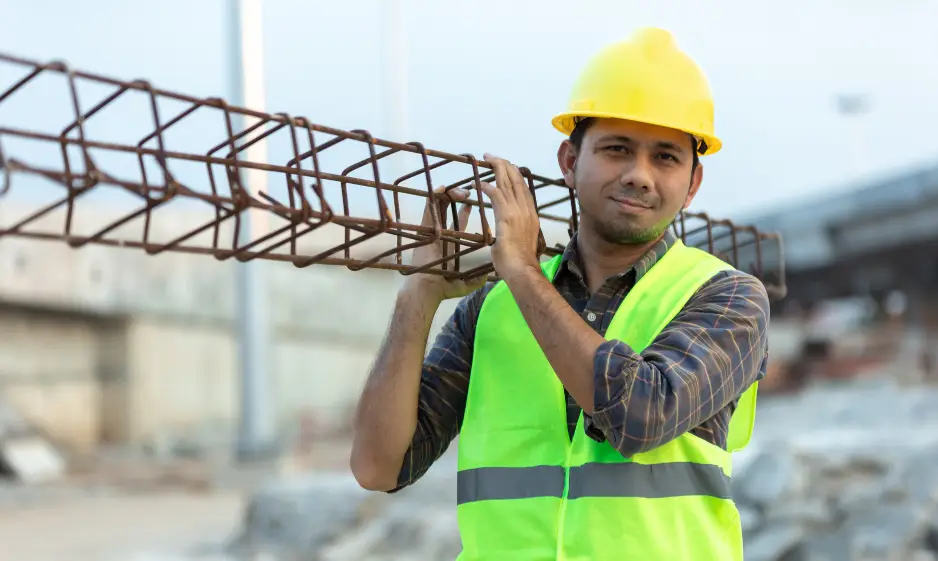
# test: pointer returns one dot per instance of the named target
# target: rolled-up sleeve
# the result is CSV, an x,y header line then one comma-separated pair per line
x,y
699,364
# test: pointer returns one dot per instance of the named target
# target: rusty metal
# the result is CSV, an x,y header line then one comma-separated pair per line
x,y
311,213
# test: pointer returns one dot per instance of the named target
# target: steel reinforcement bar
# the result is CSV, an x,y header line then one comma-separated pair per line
x,y
328,203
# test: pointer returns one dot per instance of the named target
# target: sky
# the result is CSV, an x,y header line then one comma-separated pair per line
x,y
487,76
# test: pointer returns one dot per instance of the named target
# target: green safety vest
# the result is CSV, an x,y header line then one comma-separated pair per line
x,y
527,492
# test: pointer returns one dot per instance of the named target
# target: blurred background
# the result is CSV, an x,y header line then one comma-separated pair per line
x,y
135,426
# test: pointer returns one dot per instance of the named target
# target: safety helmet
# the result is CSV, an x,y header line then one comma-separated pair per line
x,y
645,78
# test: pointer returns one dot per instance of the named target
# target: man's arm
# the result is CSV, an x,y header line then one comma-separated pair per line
x,y
444,387
386,415
411,408
569,344
698,365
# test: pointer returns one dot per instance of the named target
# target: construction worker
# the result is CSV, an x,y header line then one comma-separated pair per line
x,y
597,396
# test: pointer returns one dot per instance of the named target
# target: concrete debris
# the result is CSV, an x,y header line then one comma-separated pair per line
x,y
842,473
296,518
776,543
25,453
328,517
402,533
839,473
771,477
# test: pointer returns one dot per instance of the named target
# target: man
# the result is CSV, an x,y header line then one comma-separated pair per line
x,y
593,394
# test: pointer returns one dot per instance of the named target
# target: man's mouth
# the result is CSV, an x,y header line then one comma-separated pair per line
x,y
631,204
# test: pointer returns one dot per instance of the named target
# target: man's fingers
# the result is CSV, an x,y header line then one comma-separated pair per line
x,y
458,194
439,203
431,207
502,179
518,183
496,195
464,211
453,195
498,200
462,220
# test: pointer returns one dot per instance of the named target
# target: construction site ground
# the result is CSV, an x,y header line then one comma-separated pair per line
x,y
133,508
149,526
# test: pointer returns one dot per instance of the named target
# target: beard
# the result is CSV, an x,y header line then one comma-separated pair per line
x,y
622,231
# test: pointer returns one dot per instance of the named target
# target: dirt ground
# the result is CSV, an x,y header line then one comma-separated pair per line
x,y
155,526
181,510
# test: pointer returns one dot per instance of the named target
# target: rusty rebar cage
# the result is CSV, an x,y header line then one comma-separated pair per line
x,y
88,159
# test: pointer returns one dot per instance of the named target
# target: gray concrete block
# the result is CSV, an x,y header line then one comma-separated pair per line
x,y
296,517
771,476
775,543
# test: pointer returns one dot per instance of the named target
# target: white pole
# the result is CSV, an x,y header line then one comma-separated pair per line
x,y
394,76
257,427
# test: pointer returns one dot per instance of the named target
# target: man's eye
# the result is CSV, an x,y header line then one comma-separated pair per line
x,y
666,156
617,148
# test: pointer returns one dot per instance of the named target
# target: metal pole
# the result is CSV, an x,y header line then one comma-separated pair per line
x,y
394,74
257,427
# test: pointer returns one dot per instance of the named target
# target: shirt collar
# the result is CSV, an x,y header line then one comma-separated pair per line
x,y
571,262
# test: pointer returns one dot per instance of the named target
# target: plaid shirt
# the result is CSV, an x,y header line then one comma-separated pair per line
x,y
688,379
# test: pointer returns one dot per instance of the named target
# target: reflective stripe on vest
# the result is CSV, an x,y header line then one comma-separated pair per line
x,y
677,479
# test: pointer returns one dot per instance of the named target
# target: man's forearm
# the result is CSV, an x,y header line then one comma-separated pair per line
x,y
699,364
567,341
386,415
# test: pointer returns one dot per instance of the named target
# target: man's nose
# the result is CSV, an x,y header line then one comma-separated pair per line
x,y
637,175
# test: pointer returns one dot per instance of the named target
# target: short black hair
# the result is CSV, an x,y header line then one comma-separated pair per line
x,y
581,125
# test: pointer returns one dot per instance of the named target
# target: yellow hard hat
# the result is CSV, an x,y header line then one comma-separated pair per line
x,y
645,78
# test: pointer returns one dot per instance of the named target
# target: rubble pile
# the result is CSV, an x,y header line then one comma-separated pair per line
x,y
328,517
838,473
842,473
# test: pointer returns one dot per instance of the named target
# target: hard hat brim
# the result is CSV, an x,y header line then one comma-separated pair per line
x,y
564,122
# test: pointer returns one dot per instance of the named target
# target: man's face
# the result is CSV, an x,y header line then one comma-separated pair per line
x,y
631,179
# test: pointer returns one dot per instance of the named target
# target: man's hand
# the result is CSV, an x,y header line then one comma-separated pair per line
x,y
567,341
431,286
517,228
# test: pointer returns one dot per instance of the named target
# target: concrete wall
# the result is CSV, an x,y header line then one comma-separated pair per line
x,y
49,366
87,379
179,377
182,376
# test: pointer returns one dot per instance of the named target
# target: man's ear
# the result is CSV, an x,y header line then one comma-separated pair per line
x,y
566,157
695,182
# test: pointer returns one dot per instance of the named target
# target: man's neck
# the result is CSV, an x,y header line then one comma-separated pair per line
x,y
601,259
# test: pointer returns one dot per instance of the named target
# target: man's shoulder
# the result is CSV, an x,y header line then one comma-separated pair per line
x,y
739,280
734,290
452,348
469,307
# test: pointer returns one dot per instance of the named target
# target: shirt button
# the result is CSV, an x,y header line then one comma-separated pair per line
x,y
591,317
